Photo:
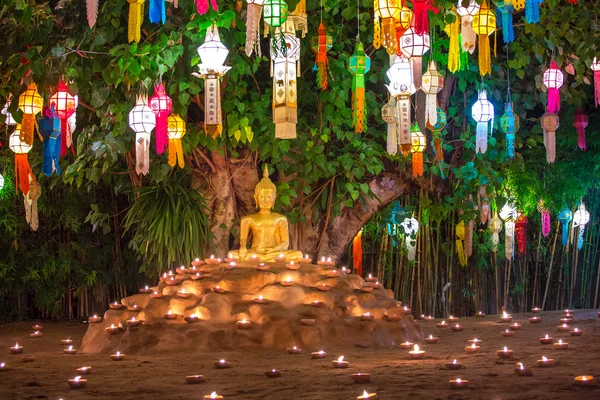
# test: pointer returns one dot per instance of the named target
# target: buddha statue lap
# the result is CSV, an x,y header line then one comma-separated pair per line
x,y
270,235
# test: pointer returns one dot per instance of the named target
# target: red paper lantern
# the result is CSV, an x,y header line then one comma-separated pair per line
x,y
161,106
521,233
64,107
580,122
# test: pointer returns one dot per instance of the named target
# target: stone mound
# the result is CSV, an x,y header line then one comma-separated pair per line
x,y
281,323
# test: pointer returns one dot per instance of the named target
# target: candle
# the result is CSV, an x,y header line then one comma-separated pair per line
x,y
146,290
456,328
565,321
431,339
476,341
262,267
197,262
514,327
458,383
222,364
323,287
212,260
190,319
442,324
406,345
568,316
118,356
576,332
452,318
480,314
112,329
317,303
371,279
416,353
132,323
376,285
35,334
294,350
472,349
84,370
243,324
567,311
293,266
361,377
37,327
429,318
560,345
170,315
287,282
194,379
77,382
273,373
394,318
505,317
406,310
305,260
16,349
231,265
171,281
344,270
308,321
70,350
563,328
584,380
156,295
340,363
66,341
536,310
535,320
280,257
366,395
133,308
546,340
218,289
504,353
116,306
3,367
454,365
183,294
521,370
545,362
367,317
213,395
95,319
318,354
507,333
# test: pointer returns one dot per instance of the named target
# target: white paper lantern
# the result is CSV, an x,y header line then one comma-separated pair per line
x,y
482,112
16,144
411,227
1,182
213,53
9,118
142,121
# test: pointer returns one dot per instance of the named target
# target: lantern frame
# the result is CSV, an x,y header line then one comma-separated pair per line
x,y
482,110
471,9
275,12
553,78
388,9
401,77
484,22
141,117
213,53
418,141
581,216
176,127
17,145
64,103
30,101
414,45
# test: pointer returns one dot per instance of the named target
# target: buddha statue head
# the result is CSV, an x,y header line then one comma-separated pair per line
x,y
265,192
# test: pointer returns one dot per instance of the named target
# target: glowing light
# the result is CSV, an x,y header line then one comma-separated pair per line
x,y
77,378
544,358
341,359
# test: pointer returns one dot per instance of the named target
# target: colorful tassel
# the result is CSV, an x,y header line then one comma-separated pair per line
x,y
521,233
596,68
321,45
50,129
91,12
454,47
564,217
161,106
506,21
532,11
359,65
30,201
460,237
546,223
357,253
553,78
421,9
157,12
202,6
136,17
580,122
484,24
253,15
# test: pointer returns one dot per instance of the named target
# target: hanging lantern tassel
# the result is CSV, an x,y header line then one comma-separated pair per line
x,y
357,253
467,35
438,133
509,239
495,228
521,233
454,48
136,17
202,6
532,11
553,78
389,115
484,24
418,147
546,224
401,87
580,219
460,237
321,45
91,12
359,65
596,68
157,12
510,124
506,22
176,130
161,106
411,227
50,131
30,200
469,239
482,112
580,122
432,84
550,123
421,9
564,217
253,15
22,168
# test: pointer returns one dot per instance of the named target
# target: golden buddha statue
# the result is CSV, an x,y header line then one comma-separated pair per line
x,y
270,235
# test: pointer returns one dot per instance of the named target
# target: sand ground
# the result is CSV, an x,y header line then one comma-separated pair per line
x,y
394,376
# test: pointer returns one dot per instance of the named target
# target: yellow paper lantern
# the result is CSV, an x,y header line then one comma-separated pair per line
x,y
31,103
176,130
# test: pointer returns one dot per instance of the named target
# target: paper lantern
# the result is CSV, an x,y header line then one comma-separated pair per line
x,y
454,48
72,121
389,113
596,68
509,215
213,54
9,120
438,133
135,19
157,12
275,13
357,253
545,214
22,169
411,227
406,17
521,233
64,107
386,12
285,59
580,122
321,45
460,249
482,112
414,46
564,217
202,6
506,8
421,9
359,64
176,126
580,219
142,121
418,144
553,79
484,24
532,11
550,124
31,103
468,36
402,87
433,83
495,227
161,106
50,129
483,204
509,124
30,201
253,14
1,182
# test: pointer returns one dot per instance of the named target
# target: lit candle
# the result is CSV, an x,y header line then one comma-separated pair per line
x,y
77,382
584,380
344,270
183,294
361,377
3,367
394,317
156,295
476,341
66,341
84,370
560,345
170,315
565,321
262,267
273,373
536,310
287,282
294,350
563,328
442,324
452,318
292,266
429,318
190,319
145,290
318,354
37,327
231,265
317,303
212,260
218,289
480,314
505,353
112,329
222,364
406,310
95,319
197,262
194,379
472,349
35,334
545,362
117,356
576,332
16,349
546,339
116,306
70,350
340,363
371,279
406,345
507,333
458,383
454,365
366,395
212,396
521,370
505,317
261,300
133,308
514,327
456,328
243,324
535,320
367,316
323,287
431,339
416,353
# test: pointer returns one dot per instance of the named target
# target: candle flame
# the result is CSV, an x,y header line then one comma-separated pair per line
x,y
547,336
475,340
112,326
281,255
77,378
164,276
430,336
507,331
155,292
505,349
244,321
520,365
182,290
458,380
457,325
504,314
147,286
213,395
576,330
95,316
132,319
321,352
217,287
197,259
212,256
294,347
559,341
340,358
193,316
273,370
17,345
84,368
36,332
583,378
564,325
365,394
454,362
306,256
416,348
544,358
197,273
451,317
260,297
70,347
370,276
170,312
221,361
443,322
473,346
118,353
1,365
367,314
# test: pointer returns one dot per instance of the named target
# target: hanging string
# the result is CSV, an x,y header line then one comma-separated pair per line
x,y
508,99
321,11
357,20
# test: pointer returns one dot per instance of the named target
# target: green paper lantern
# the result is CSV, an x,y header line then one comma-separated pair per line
x,y
359,65
275,12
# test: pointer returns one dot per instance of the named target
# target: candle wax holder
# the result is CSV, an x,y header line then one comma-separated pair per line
x,y
262,267
366,395
317,303
453,365
287,283
157,295
197,262
95,319
514,327
578,332
429,318
184,295
367,317
70,351
318,354
584,380
16,350
507,333
560,346
66,341
84,370
340,364
361,377
213,397
35,335
170,316
376,285
112,330
416,354
294,350
536,310
37,327
458,383
477,342
563,328
293,267
304,260
407,310
273,373
132,323
117,357
172,281
117,306
456,328
77,383
212,261
191,320
565,321
222,364
218,290
506,319
394,318
245,325
549,362
480,315
453,319
546,340
432,340
472,349
371,279
323,287
441,325
194,379
307,321
535,320
567,316
134,308
505,355
524,371
407,345
145,290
